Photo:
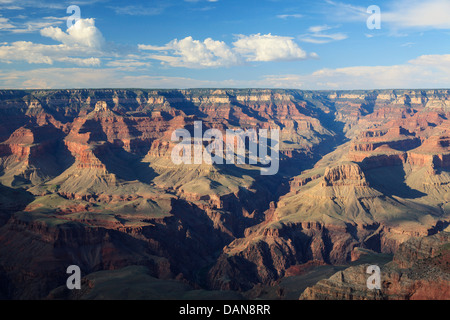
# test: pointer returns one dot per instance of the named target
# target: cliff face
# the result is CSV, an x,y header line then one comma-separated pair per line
x,y
88,173
420,271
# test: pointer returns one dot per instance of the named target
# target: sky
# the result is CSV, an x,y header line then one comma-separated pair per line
x,y
292,44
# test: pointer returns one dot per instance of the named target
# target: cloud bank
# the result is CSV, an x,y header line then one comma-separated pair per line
x,y
79,45
192,53
434,70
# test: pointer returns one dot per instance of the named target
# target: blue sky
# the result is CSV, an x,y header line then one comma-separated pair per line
x,y
321,44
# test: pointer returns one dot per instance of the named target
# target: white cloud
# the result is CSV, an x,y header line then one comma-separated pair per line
x,y
426,14
286,16
345,12
87,62
192,53
400,14
316,35
33,26
25,51
128,64
434,60
42,54
427,71
154,48
19,4
267,47
5,23
52,78
318,29
82,33
140,10
209,53
78,46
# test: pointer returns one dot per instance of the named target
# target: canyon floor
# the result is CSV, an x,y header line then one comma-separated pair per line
x,y
87,179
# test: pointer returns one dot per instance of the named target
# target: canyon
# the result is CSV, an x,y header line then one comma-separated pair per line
x,y
86,178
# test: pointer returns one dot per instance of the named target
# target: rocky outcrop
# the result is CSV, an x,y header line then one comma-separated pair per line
x,y
395,138
36,254
265,255
420,271
434,151
344,174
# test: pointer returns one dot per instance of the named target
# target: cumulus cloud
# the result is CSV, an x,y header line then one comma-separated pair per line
x,y
192,53
267,47
24,51
195,54
209,53
78,46
83,33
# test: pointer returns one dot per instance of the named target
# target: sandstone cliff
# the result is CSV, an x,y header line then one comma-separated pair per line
x,y
420,271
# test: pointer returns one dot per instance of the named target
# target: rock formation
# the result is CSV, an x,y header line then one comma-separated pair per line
x,y
420,271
